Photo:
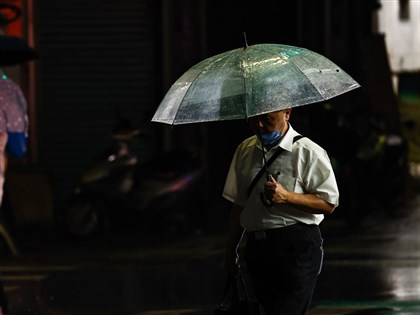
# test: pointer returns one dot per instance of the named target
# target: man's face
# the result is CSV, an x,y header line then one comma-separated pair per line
x,y
269,122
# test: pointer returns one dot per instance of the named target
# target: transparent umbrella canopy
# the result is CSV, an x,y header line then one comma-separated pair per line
x,y
251,81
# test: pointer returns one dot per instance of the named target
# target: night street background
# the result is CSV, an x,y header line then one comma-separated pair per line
x,y
103,68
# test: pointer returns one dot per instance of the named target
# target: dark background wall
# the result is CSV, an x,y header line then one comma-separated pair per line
x,y
99,63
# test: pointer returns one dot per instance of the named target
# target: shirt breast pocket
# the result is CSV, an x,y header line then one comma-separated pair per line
x,y
291,183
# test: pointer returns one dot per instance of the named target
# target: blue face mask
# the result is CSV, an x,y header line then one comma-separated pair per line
x,y
271,137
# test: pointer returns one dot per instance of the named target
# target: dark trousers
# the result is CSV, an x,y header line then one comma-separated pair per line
x,y
284,267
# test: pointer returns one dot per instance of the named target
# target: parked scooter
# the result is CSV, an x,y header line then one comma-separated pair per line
x,y
118,190
370,164
375,183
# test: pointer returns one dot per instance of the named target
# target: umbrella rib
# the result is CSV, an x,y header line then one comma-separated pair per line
x,y
296,67
197,77
246,87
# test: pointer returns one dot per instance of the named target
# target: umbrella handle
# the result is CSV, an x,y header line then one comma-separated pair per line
x,y
267,202
245,41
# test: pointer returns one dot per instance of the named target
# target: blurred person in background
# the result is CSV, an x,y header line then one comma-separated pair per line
x,y
13,142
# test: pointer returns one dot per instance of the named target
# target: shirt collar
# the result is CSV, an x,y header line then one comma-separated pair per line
x,y
286,141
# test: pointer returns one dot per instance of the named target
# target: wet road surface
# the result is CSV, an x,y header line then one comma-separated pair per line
x,y
374,269
371,269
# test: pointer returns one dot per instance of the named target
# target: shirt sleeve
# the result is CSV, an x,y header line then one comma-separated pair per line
x,y
23,107
3,120
320,178
232,190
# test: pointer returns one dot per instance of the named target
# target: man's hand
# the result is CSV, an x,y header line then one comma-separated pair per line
x,y
275,191
310,203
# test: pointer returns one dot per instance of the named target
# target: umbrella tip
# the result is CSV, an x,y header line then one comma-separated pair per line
x,y
245,40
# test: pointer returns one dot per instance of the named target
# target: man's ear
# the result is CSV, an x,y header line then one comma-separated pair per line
x,y
288,112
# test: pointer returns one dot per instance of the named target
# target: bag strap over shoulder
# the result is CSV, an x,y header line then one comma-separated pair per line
x,y
271,160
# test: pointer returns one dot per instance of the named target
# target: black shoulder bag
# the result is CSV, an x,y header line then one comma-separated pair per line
x,y
236,299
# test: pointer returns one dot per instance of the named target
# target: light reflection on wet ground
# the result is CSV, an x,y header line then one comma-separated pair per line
x,y
374,269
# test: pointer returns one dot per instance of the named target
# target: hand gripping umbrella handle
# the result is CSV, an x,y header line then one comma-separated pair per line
x,y
267,202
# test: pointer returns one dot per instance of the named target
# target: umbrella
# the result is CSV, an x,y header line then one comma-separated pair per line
x,y
13,118
251,81
13,107
14,50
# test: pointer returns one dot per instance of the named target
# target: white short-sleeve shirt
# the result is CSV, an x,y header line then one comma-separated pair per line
x,y
303,167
